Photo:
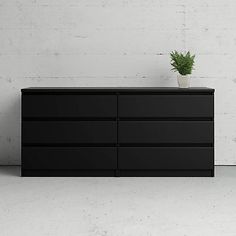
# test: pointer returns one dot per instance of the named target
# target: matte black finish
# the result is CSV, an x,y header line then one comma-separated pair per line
x,y
167,158
69,106
167,173
113,90
165,132
70,158
166,106
117,132
45,132
67,173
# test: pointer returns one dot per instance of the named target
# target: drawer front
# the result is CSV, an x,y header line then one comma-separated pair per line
x,y
69,106
165,132
77,158
174,158
166,106
69,132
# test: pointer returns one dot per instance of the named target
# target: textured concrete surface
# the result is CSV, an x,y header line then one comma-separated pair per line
x,y
115,43
118,206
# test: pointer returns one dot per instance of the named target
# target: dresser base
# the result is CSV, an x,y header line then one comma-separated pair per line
x,y
121,173
167,173
67,173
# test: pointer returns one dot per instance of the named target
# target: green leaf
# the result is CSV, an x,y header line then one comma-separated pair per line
x,y
183,63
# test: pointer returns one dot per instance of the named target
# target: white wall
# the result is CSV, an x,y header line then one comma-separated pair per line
x,y
115,43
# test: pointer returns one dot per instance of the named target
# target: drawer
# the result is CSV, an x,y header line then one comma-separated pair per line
x,y
69,106
148,132
62,158
171,158
69,132
166,106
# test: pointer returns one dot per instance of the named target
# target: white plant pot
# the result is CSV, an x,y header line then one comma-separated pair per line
x,y
183,81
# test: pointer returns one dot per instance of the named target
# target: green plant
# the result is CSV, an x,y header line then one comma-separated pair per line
x,y
183,63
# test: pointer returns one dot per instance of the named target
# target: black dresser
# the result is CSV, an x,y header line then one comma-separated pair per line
x,y
117,132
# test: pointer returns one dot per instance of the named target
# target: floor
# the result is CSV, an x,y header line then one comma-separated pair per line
x,y
118,206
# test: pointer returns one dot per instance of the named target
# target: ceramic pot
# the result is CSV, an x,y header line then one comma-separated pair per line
x,y
183,81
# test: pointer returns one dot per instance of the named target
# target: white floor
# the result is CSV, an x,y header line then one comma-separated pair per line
x,y
118,206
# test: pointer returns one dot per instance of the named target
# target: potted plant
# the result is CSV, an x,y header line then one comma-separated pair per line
x,y
183,63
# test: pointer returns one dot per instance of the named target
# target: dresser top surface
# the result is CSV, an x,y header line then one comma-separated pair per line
x,y
118,89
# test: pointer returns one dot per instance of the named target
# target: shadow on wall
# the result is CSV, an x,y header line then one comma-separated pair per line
x,y
10,171
10,128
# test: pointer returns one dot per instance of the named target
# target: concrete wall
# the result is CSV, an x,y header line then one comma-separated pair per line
x,y
115,43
